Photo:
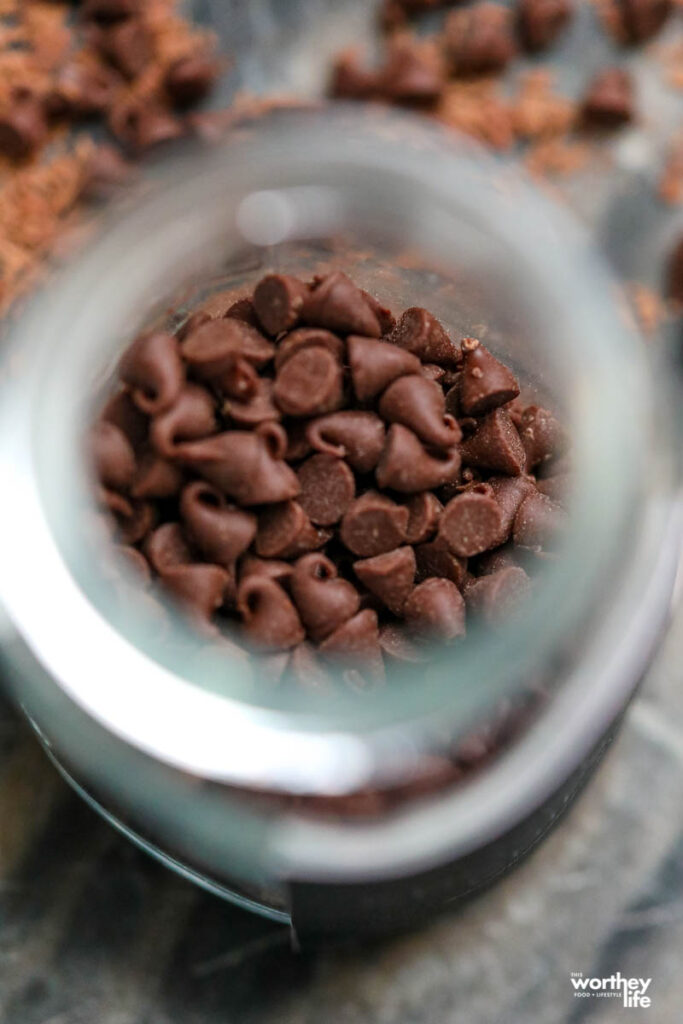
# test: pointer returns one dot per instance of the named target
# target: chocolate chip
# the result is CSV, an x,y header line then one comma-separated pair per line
x,y
285,531
258,408
143,124
353,435
246,466
484,383
23,127
642,19
167,547
424,510
127,45
387,320
323,599
308,337
278,302
192,415
373,524
390,576
190,79
407,467
82,90
493,561
509,493
337,304
495,445
538,523
270,568
397,645
309,383
212,348
156,477
201,589
674,273
222,532
436,610
421,333
113,456
105,171
135,564
556,487
134,519
608,102
350,81
307,668
542,436
375,364
244,310
327,488
433,372
270,620
496,596
124,414
472,522
413,73
419,404
541,21
109,10
356,643
436,559
479,39
154,370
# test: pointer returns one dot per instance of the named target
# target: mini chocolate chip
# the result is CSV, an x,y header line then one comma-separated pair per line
x,y
496,596
190,79
353,435
435,559
421,333
396,644
167,547
479,39
337,304
285,531
436,610
541,21
642,19
375,364
156,477
472,522
278,301
674,274
424,510
23,127
608,102
271,568
542,436
309,383
113,456
356,643
327,488
154,370
495,445
484,383
390,576
222,532
246,466
538,522
212,348
127,45
192,416
324,601
201,589
308,337
419,404
373,524
406,466
270,620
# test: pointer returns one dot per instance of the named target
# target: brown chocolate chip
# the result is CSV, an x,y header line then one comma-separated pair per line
x,y
541,21
538,522
387,320
270,620
608,102
82,90
278,301
472,522
142,124
413,73
421,333
495,445
124,414
353,435
222,532
642,19
270,568
109,10
192,416
23,126
307,668
406,466
308,337
156,477
285,531
479,39
493,561
424,510
436,610
375,364
105,171
674,274
419,404
435,559
154,370
324,601
397,644
113,456
246,466
350,80
127,45
212,348
356,643
167,547
258,408
200,588
373,524
135,564
240,380
542,436
509,492
496,596
309,383
243,309
556,487
327,488
298,445
337,304
390,576
484,383
134,519
272,667
433,372
190,79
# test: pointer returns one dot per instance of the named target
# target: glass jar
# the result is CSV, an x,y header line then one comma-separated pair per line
x,y
333,812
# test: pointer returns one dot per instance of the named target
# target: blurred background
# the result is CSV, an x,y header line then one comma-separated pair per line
x,y
93,930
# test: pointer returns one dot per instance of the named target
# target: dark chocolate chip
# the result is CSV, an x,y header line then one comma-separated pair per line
x,y
374,524
390,576
495,445
375,364
222,532
421,333
435,559
323,599
484,383
285,531
353,435
270,620
192,416
154,370
167,547
212,348
156,477
472,522
278,301
542,436
419,404
337,304
327,488
309,383
308,337
436,610
271,568
257,408
201,589
407,467
424,509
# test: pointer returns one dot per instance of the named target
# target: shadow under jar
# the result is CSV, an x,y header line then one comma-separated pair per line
x,y
338,809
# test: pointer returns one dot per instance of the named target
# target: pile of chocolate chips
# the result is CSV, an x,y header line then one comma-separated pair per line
x,y
335,484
